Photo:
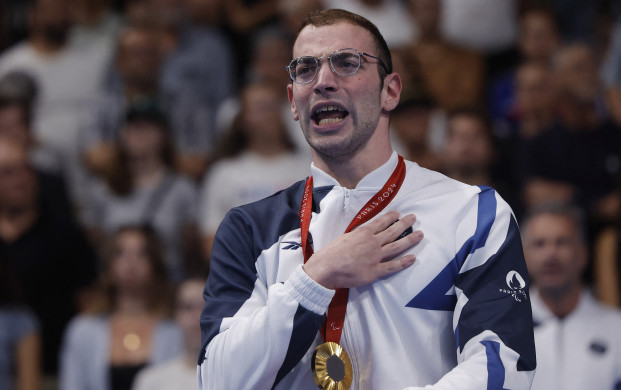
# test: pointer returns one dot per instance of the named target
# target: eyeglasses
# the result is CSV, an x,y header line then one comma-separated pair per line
x,y
344,62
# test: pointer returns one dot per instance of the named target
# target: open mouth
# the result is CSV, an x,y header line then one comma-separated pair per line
x,y
329,115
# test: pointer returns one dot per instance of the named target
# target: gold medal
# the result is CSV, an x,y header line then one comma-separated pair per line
x,y
331,366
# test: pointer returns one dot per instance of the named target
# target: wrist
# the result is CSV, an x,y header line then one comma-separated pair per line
x,y
318,273
310,294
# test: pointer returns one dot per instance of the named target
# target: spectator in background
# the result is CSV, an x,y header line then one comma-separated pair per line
x,y
411,122
535,100
533,113
68,77
575,159
270,49
539,37
15,127
138,66
20,336
198,60
258,159
469,151
180,373
145,188
414,91
48,253
242,19
471,156
126,327
538,41
453,76
577,339
16,115
96,25
484,25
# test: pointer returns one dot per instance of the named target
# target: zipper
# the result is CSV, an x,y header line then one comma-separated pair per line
x,y
347,337
346,199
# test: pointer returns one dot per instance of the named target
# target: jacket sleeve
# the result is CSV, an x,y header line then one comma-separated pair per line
x,y
253,333
492,318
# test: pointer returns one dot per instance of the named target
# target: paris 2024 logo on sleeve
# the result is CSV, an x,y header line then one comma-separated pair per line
x,y
516,286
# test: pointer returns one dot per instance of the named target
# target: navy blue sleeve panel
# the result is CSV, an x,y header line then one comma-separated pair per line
x,y
498,300
241,237
231,277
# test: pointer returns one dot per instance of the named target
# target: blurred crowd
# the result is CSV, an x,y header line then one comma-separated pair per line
x,y
129,128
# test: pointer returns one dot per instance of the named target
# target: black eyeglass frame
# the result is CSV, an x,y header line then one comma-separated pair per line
x,y
290,68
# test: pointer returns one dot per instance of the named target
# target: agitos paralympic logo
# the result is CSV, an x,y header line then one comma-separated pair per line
x,y
516,285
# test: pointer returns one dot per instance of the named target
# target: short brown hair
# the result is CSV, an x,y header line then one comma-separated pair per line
x,y
331,17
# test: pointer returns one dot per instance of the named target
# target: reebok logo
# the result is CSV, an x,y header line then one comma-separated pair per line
x,y
291,245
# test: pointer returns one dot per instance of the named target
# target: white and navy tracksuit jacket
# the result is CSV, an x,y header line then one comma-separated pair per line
x,y
458,318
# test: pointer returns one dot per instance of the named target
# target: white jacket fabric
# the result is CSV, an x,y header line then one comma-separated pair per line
x,y
458,318
580,351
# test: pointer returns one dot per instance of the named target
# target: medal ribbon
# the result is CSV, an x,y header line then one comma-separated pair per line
x,y
333,325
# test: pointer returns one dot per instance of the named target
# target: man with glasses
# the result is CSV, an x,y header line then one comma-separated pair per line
x,y
331,283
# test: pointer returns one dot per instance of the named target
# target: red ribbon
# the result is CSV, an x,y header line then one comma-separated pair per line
x,y
333,325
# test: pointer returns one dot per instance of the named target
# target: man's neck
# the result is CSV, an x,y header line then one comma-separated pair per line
x,y
561,304
349,171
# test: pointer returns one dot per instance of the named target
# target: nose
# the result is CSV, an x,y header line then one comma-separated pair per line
x,y
326,79
550,252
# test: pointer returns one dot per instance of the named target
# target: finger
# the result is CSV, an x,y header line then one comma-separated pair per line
x,y
396,265
380,223
397,228
395,247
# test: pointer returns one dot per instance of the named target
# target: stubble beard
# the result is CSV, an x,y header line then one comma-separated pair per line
x,y
342,150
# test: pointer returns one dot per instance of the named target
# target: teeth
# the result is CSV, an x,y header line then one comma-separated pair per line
x,y
328,108
329,121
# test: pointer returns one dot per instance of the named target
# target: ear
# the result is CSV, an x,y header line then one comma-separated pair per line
x,y
294,109
391,93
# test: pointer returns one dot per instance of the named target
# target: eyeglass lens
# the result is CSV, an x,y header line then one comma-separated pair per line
x,y
343,62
